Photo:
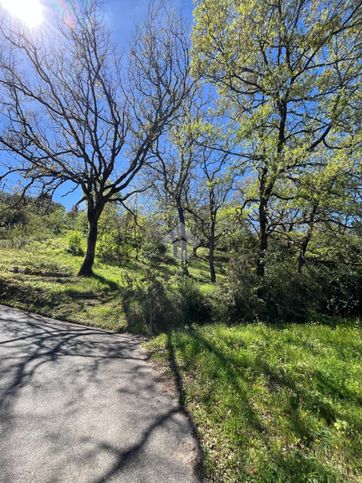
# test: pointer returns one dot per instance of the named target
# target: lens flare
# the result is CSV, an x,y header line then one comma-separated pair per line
x,y
29,12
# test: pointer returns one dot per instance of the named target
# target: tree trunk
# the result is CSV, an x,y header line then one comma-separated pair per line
x,y
307,238
302,252
212,253
181,214
183,243
86,269
264,193
263,238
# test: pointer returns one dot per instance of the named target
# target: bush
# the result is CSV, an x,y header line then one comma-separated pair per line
x,y
153,305
147,305
339,290
194,307
75,244
152,248
284,295
111,248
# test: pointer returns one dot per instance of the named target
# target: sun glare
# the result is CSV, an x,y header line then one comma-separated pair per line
x,y
30,12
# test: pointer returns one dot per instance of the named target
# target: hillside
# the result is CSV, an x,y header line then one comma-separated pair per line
x,y
42,277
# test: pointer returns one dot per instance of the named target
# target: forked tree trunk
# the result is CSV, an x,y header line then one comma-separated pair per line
x,y
302,252
264,192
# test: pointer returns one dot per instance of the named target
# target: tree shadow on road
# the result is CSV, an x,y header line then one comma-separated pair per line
x,y
28,342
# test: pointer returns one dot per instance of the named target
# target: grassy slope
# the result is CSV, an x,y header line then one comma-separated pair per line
x,y
272,403
41,277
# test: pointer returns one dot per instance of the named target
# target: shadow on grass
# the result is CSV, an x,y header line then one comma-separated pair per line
x,y
230,366
241,375
277,380
113,286
62,304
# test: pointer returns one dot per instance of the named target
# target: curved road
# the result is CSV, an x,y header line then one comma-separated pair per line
x,y
78,404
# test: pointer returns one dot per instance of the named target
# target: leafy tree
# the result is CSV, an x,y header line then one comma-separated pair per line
x,y
326,199
287,72
11,212
30,216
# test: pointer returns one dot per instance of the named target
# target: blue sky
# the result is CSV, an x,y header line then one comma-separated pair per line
x,y
123,15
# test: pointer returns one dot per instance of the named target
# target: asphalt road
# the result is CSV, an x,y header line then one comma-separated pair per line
x,y
79,404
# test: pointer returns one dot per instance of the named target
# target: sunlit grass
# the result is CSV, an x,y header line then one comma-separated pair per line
x,y
273,403
42,277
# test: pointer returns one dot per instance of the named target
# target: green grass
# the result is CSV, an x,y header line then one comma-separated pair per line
x,y
42,277
272,403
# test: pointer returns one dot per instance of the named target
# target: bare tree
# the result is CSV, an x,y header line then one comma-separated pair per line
x,y
214,182
174,157
170,169
76,112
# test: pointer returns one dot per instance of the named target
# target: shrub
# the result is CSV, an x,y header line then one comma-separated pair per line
x,y
339,290
147,305
284,295
112,248
152,248
153,305
75,244
194,307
